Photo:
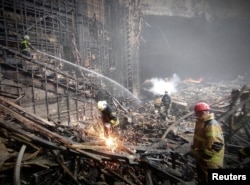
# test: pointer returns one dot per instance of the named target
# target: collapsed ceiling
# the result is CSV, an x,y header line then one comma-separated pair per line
x,y
210,9
207,39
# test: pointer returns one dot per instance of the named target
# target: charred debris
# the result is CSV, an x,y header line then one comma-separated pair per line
x,y
146,149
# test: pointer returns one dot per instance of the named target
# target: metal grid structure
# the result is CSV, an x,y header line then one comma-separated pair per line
x,y
82,33
49,24
50,88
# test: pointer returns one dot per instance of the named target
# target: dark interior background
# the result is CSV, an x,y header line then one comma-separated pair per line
x,y
193,47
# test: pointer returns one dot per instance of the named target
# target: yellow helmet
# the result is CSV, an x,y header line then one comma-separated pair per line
x,y
101,105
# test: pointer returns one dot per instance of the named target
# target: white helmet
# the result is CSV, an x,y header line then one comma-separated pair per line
x,y
101,105
26,37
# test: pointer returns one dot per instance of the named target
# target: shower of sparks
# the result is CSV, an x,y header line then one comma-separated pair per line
x,y
111,143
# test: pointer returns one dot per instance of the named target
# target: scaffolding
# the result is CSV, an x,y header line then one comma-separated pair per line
x,y
83,33
51,89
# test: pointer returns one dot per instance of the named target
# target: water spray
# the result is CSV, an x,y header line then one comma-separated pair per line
x,y
93,72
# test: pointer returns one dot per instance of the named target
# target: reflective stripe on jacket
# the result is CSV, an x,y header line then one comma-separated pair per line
x,y
25,45
207,132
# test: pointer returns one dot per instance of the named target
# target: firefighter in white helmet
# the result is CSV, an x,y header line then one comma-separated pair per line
x,y
109,117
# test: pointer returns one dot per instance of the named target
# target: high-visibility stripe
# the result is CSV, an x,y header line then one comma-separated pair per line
x,y
216,159
208,152
26,49
212,134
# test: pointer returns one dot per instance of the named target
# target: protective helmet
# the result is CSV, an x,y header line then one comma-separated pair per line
x,y
101,105
26,37
235,92
201,106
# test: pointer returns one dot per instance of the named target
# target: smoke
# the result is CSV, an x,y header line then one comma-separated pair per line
x,y
158,86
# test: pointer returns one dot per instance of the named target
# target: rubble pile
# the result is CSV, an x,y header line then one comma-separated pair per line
x,y
145,150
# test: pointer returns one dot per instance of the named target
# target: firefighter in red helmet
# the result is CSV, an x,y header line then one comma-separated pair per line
x,y
208,142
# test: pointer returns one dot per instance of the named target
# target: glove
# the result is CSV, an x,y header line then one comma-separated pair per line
x,y
114,123
217,146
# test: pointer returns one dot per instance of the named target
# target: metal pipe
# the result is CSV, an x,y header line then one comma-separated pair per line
x,y
18,166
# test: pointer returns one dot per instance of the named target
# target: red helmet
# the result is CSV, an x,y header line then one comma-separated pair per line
x,y
201,106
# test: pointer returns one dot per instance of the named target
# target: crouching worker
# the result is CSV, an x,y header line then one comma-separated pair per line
x,y
109,117
26,46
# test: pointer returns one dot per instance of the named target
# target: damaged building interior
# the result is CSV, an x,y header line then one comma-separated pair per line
x,y
128,53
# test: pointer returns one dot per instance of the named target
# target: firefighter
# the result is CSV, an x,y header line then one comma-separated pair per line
x,y
109,117
166,102
208,142
25,45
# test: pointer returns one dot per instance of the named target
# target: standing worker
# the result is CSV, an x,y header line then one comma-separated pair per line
x,y
208,142
25,45
166,102
109,117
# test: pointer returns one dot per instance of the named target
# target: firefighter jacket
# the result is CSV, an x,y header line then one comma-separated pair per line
x,y
208,143
25,45
109,116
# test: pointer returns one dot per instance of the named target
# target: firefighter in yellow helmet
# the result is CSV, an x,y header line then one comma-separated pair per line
x,y
208,142
109,117
25,45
